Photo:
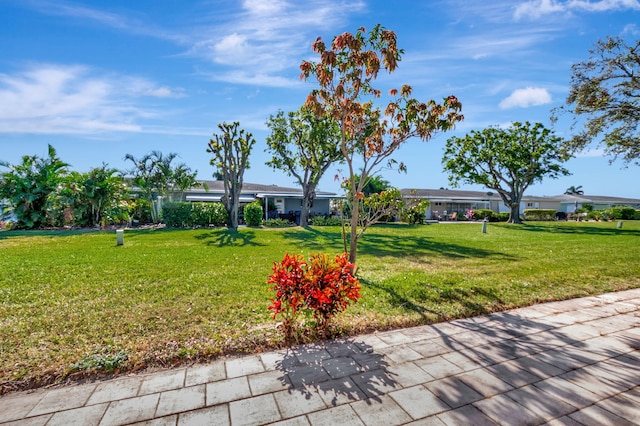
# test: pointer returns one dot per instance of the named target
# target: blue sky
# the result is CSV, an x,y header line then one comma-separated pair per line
x,y
99,80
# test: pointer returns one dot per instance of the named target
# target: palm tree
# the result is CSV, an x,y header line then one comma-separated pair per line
x,y
574,190
375,184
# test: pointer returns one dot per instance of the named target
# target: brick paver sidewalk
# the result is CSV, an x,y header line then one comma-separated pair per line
x,y
566,363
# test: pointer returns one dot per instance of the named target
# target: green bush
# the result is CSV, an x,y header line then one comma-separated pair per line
x,y
540,214
205,214
141,210
185,214
417,213
619,213
177,215
594,215
325,221
480,214
277,223
253,213
502,216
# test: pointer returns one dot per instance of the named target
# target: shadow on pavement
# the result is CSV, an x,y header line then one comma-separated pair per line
x,y
503,368
340,371
519,370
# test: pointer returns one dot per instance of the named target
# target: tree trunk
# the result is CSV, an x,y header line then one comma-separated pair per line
x,y
307,200
231,203
353,241
304,213
233,216
514,216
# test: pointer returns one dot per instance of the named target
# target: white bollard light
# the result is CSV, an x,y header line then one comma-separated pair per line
x,y
484,226
119,237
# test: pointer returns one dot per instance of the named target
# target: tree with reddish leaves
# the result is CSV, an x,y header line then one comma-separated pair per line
x,y
369,135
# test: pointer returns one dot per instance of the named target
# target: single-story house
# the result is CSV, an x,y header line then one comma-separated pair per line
x,y
287,201
570,203
445,202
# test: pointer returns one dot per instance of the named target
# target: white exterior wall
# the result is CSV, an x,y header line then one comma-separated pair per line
x,y
320,206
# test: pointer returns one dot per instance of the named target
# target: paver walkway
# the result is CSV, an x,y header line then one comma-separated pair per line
x,y
563,363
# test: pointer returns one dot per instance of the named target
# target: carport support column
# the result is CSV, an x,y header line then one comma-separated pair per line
x,y
266,208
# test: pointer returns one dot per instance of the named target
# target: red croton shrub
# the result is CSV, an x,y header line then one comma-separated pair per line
x,y
321,285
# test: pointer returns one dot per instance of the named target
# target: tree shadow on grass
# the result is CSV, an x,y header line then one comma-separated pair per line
x,y
339,371
229,237
311,238
377,244
581,228
389,245
469,301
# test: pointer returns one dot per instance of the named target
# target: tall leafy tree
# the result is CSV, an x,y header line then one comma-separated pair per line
x,y
231,149
604,99
304,146
369,135
506,160
104,191
29,186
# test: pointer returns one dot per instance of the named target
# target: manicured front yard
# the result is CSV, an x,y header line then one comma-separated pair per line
x,y
168,296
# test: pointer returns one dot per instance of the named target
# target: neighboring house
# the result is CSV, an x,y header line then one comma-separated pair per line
x,y
287,201
445,202
570,203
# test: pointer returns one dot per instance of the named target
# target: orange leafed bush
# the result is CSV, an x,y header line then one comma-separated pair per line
x,y
321,285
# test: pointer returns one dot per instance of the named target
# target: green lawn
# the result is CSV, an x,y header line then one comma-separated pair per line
x,y
168,296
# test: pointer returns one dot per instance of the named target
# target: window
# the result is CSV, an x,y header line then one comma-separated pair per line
x,y
279,202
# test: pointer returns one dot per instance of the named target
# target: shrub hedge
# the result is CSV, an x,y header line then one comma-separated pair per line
x,y
325,221
614,213
540,214
253,213
277,223
481,214
185,214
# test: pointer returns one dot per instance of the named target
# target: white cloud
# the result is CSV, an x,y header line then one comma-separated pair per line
x,y
497,43
232,49
523,98
268,36
257,38
55,99
253,78
264,6
535,9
